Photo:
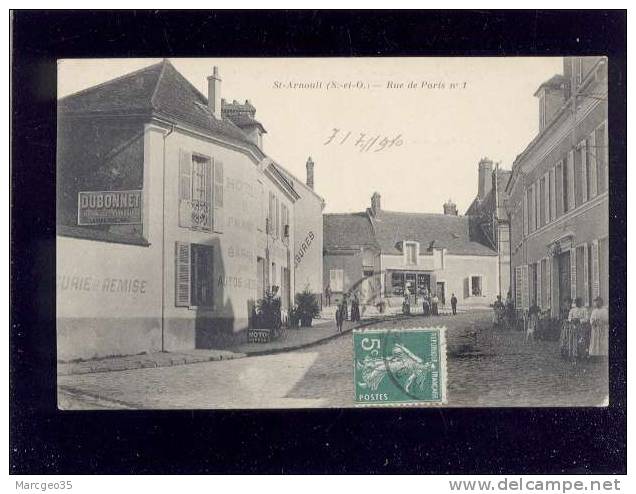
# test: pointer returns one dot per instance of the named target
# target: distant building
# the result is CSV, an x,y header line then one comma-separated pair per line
x,y
558,193
171,220
489,212
384,254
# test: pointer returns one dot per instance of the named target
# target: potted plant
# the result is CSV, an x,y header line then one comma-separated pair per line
x,y
268,311
307,307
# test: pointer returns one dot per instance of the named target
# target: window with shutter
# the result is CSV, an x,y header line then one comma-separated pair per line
x,y
570,181
586,274
182,274
584,171
185,189
201,192
219,219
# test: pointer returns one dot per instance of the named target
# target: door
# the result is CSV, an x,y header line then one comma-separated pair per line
x,y
441,292
564,277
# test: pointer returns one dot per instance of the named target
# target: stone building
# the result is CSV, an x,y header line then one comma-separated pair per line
x,y
558,193
489,212
385,254
171,219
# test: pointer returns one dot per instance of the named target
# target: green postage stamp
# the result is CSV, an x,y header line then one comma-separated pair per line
x,y
400,366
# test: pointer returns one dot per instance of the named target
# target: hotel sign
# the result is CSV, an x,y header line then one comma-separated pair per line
x,y
113,207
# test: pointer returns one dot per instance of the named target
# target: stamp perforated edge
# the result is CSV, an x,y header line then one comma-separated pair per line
x,y
443,369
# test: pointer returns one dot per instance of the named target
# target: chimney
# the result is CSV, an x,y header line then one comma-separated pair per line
x,y
552,94
485,178
450,208
214,93
375,203
310,173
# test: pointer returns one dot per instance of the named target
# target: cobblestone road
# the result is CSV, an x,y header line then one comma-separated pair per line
x,y
485,368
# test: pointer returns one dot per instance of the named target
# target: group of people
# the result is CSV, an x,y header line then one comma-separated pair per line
x,y
504,312
430,304
584,334
342,311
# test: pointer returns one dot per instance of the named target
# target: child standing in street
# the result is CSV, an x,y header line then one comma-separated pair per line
x,y
532,322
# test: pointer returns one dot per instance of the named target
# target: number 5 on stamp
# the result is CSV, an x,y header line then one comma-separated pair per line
x,y
400,367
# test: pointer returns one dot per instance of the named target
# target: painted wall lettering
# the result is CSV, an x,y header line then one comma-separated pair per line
x,y
79,283
304,248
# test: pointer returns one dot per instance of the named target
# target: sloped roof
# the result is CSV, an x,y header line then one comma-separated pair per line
x,y
347,231
554,82
455,233
157,89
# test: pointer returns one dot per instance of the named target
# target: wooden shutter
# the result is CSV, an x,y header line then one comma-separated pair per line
x,y
526,228
538,267
525,292
591,162
216,184
586,279
573,273
595,270
584,165
519,287
185,188
466,287
570,175
182,274
548,281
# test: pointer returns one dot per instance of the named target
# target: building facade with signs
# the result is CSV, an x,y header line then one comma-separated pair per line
x,y
172,221
386,254
558,193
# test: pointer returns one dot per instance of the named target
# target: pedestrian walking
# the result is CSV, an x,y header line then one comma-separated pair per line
x,y
328,294
454,304
355,308
498,313
340,315
435,304
599,322
532,323
510,310
426,306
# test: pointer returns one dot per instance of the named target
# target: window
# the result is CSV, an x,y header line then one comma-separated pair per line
x,y
476,286
200,192
285,221
410,250
601,153
336,280
580,175
277,218
397,283
194,275
545,284
567,186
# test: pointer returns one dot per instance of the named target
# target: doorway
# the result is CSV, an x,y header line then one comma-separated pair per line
x,y
563,262
441,292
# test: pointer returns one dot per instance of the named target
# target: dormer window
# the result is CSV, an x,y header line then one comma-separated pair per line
x,y
411,252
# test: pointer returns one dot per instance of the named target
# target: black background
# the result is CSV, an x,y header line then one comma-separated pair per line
x,y
45,440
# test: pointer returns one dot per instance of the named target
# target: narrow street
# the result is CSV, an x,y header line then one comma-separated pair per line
x,y
485,368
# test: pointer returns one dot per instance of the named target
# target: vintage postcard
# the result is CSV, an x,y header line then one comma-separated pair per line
x,y
332,232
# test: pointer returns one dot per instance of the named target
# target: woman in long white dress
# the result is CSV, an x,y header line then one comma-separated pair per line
x,y
599,320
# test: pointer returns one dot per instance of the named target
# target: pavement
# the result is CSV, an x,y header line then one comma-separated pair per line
x,y
292,339
486,368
